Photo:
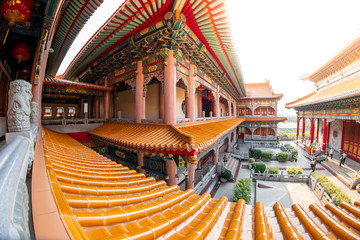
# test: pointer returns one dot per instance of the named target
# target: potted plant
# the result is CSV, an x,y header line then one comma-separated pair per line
x,y
225,175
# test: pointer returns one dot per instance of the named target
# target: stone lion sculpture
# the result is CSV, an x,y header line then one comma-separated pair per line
x,y
19,106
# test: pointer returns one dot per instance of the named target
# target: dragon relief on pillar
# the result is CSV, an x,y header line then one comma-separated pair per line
x,y
19,106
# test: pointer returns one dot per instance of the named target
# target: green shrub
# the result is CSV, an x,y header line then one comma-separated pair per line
x,y
267,155
226,174
255,153
294,153
273,143
331,189
289,146
262,143
258,167
291,170
242,190
273,170
282,156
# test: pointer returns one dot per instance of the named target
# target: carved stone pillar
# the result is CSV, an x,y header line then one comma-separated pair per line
x,y
34,113
19,110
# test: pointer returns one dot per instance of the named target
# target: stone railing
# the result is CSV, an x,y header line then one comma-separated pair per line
x,y
205,180
121,119
279,177
65,121
180,120
320,192
205,118
16,158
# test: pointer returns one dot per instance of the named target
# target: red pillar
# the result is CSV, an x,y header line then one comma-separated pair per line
x,y
107,105
216,156
342,134
328,133
191,177
170,89
324,135
317,130
140,162
217,102
139,94
312,130
298,127
161,101
303,129
97,106
228,144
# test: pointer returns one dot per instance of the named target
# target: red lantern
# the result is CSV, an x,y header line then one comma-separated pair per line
x,y
16,11
21,52
25,72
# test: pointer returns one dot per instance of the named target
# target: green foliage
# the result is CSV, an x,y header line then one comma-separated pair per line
x,y
282,156
289,146
226,174
267,155
294,153
332,190
273,143
242,190
291,170
273,170
255,153
258,167
262,143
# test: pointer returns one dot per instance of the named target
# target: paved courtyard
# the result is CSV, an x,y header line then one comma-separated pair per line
x,y
340,176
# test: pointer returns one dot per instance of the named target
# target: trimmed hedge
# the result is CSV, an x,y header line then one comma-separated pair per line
x,y
242,190
283,156
255,153
267,155
258,167
226,174
294,153
291,170
332,190
273,170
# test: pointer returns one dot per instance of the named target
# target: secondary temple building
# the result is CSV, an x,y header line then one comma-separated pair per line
x,y
333,109
158,91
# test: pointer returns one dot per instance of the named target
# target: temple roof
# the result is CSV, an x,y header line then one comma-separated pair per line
x,y
188,138
344,58
72,19
207,21
341,90
260,90
63,82
79,194
265,119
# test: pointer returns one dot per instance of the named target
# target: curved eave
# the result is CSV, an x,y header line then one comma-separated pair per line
x,y
207,20
63,82
73,18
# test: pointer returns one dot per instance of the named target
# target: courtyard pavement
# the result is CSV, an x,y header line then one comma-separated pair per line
x,y
340,176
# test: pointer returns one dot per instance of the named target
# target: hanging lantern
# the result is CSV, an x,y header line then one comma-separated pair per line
x,y
21,52
201,88
16,11
25,72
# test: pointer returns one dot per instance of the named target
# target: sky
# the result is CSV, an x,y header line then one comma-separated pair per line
x,y
278,40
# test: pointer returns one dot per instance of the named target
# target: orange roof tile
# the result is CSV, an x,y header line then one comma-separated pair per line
x,y
260,90
136,207
341,90
189,138
255,119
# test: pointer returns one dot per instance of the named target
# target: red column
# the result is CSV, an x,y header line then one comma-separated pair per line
x,y
114,103
229,106
107,105
312,128
342,134
228,144
161,100
139,94
171,171
191,177
190,100
217,102
317,130
303,129
97,106
200,105
324,135
328,133
170,89
90,107
298,127
140,162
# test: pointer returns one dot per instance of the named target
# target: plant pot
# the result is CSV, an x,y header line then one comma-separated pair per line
x,y
223,180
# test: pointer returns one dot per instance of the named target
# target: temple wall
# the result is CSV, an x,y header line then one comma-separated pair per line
x,y
125,103
152,101
180,97
2,126
335,134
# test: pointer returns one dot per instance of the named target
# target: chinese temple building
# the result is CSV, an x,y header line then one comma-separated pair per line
x,y
119,145
334,106
259,108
